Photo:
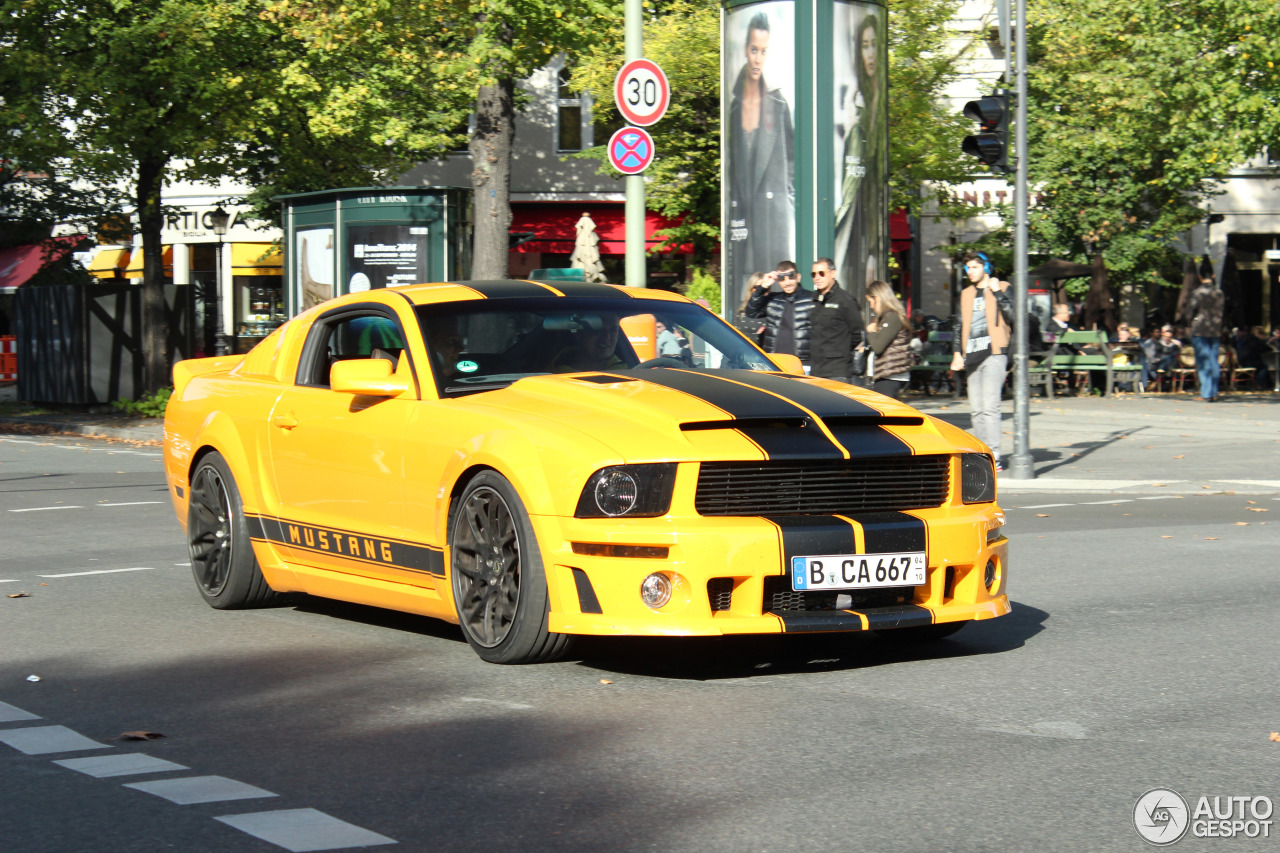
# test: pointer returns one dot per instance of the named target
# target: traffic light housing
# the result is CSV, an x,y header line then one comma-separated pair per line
x,y
991,143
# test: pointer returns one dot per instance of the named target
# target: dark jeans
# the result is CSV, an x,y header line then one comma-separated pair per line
x,y
888,387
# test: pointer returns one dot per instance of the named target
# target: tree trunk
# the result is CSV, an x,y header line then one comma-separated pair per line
x,y
155,369
490,148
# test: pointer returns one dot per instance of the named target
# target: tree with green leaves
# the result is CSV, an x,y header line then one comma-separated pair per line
x,y
1137,109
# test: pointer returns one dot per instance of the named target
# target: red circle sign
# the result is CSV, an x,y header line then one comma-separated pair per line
x,y
641,92
631,150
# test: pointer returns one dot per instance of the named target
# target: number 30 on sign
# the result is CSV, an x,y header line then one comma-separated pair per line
x,y
642,92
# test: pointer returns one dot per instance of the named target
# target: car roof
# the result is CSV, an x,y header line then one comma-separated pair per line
x,y
425,294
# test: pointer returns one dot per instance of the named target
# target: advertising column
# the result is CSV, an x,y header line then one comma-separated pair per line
x,y
773,96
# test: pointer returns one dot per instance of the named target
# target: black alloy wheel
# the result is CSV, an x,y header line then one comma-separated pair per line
x,y
222,560
499,588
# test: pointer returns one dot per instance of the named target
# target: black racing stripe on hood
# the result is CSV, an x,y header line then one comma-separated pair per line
x,y
508,289
860,440
892,532
778,442
810,535
588,289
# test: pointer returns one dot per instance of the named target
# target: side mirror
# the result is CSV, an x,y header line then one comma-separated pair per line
x,y
788,363
369,377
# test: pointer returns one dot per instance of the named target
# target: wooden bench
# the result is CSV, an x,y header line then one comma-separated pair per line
x,y
1060,359
934,363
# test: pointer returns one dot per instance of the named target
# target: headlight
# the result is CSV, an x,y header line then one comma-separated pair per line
x,y
977,479
631,491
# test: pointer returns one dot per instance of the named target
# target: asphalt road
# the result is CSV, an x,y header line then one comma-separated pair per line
x,y
1140,654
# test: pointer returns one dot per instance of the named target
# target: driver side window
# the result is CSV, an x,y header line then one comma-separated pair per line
x,y
350,336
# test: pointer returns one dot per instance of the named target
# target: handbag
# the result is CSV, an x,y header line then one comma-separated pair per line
x,y
860,362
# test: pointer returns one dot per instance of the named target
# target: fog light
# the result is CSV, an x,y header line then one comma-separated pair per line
x,y
655,590
989,576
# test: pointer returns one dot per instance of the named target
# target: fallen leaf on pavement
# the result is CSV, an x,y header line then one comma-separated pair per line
x,y
1211,538
605,681
1159,484
18,595
1242,524
1147,446
1042,515
1180,456
140,736
1166,537
1275,736
1256,508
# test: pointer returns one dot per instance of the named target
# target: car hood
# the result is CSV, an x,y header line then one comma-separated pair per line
x,y
666,414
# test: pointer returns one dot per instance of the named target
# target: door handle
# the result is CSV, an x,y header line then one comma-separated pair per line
x,y
284,421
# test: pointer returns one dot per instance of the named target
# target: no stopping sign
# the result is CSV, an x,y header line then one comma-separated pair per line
x,y
631,150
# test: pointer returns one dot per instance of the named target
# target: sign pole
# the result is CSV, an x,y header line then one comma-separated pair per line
x,y
1022,465
635,269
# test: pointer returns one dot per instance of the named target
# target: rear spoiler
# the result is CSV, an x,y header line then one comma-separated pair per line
x,y
187,369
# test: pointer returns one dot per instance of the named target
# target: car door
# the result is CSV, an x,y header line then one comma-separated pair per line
x,y
337,458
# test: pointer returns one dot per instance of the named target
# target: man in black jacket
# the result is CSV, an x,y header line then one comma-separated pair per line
x,y
786,313
836,329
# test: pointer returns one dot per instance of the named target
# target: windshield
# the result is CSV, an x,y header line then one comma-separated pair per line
x,y
481,345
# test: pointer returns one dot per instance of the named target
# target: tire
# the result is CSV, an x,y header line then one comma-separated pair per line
x,y
222,560
499,585
922,633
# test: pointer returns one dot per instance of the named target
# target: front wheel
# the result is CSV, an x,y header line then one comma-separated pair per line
x,y
499,584
222,559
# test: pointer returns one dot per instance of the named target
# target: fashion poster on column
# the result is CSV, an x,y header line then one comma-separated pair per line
x,y
759,153
860,57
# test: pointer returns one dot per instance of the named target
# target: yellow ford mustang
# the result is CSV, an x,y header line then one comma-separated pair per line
x,y
535,462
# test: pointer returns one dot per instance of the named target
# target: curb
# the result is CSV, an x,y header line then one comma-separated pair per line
x,y
145,434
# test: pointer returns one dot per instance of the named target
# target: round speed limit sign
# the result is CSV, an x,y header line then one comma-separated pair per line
x,y
642,92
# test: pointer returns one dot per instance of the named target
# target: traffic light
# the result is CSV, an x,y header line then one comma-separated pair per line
x,y
991,143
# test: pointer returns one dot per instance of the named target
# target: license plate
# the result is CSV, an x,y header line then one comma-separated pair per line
x,y
857,571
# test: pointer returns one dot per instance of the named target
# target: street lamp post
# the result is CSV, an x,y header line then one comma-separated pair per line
x,y
218,221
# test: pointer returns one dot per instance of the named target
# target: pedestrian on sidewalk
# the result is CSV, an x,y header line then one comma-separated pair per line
x,y
786,313
980,346
836,329
888,336
1205,309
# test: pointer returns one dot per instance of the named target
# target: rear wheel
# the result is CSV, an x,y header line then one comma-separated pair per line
x,y
499,585
222,560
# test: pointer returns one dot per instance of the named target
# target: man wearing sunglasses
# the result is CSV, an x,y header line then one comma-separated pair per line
x,y
786,313
836,330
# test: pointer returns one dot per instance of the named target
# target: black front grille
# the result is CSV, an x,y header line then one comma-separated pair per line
x,y
780,597
823,488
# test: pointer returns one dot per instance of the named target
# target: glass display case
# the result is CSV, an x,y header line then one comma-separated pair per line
x,y
259,308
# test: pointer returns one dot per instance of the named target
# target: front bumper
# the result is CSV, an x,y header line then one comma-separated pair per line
x,y
729,577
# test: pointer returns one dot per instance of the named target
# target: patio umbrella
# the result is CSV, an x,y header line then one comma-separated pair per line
x,y
1098,304
1190,281
1233,300
1058,269
586,250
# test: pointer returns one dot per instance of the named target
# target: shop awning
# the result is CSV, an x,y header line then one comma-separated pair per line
x,y
107,262
553,226
256,259
20,263
899,231
134,267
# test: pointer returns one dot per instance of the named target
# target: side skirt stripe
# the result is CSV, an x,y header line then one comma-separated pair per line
x,y
348,544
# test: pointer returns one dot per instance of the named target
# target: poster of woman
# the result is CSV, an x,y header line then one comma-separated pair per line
x,y
760,154
860,57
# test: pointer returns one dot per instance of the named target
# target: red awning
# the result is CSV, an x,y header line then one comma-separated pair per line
x,y
899,231
553,225
20,263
